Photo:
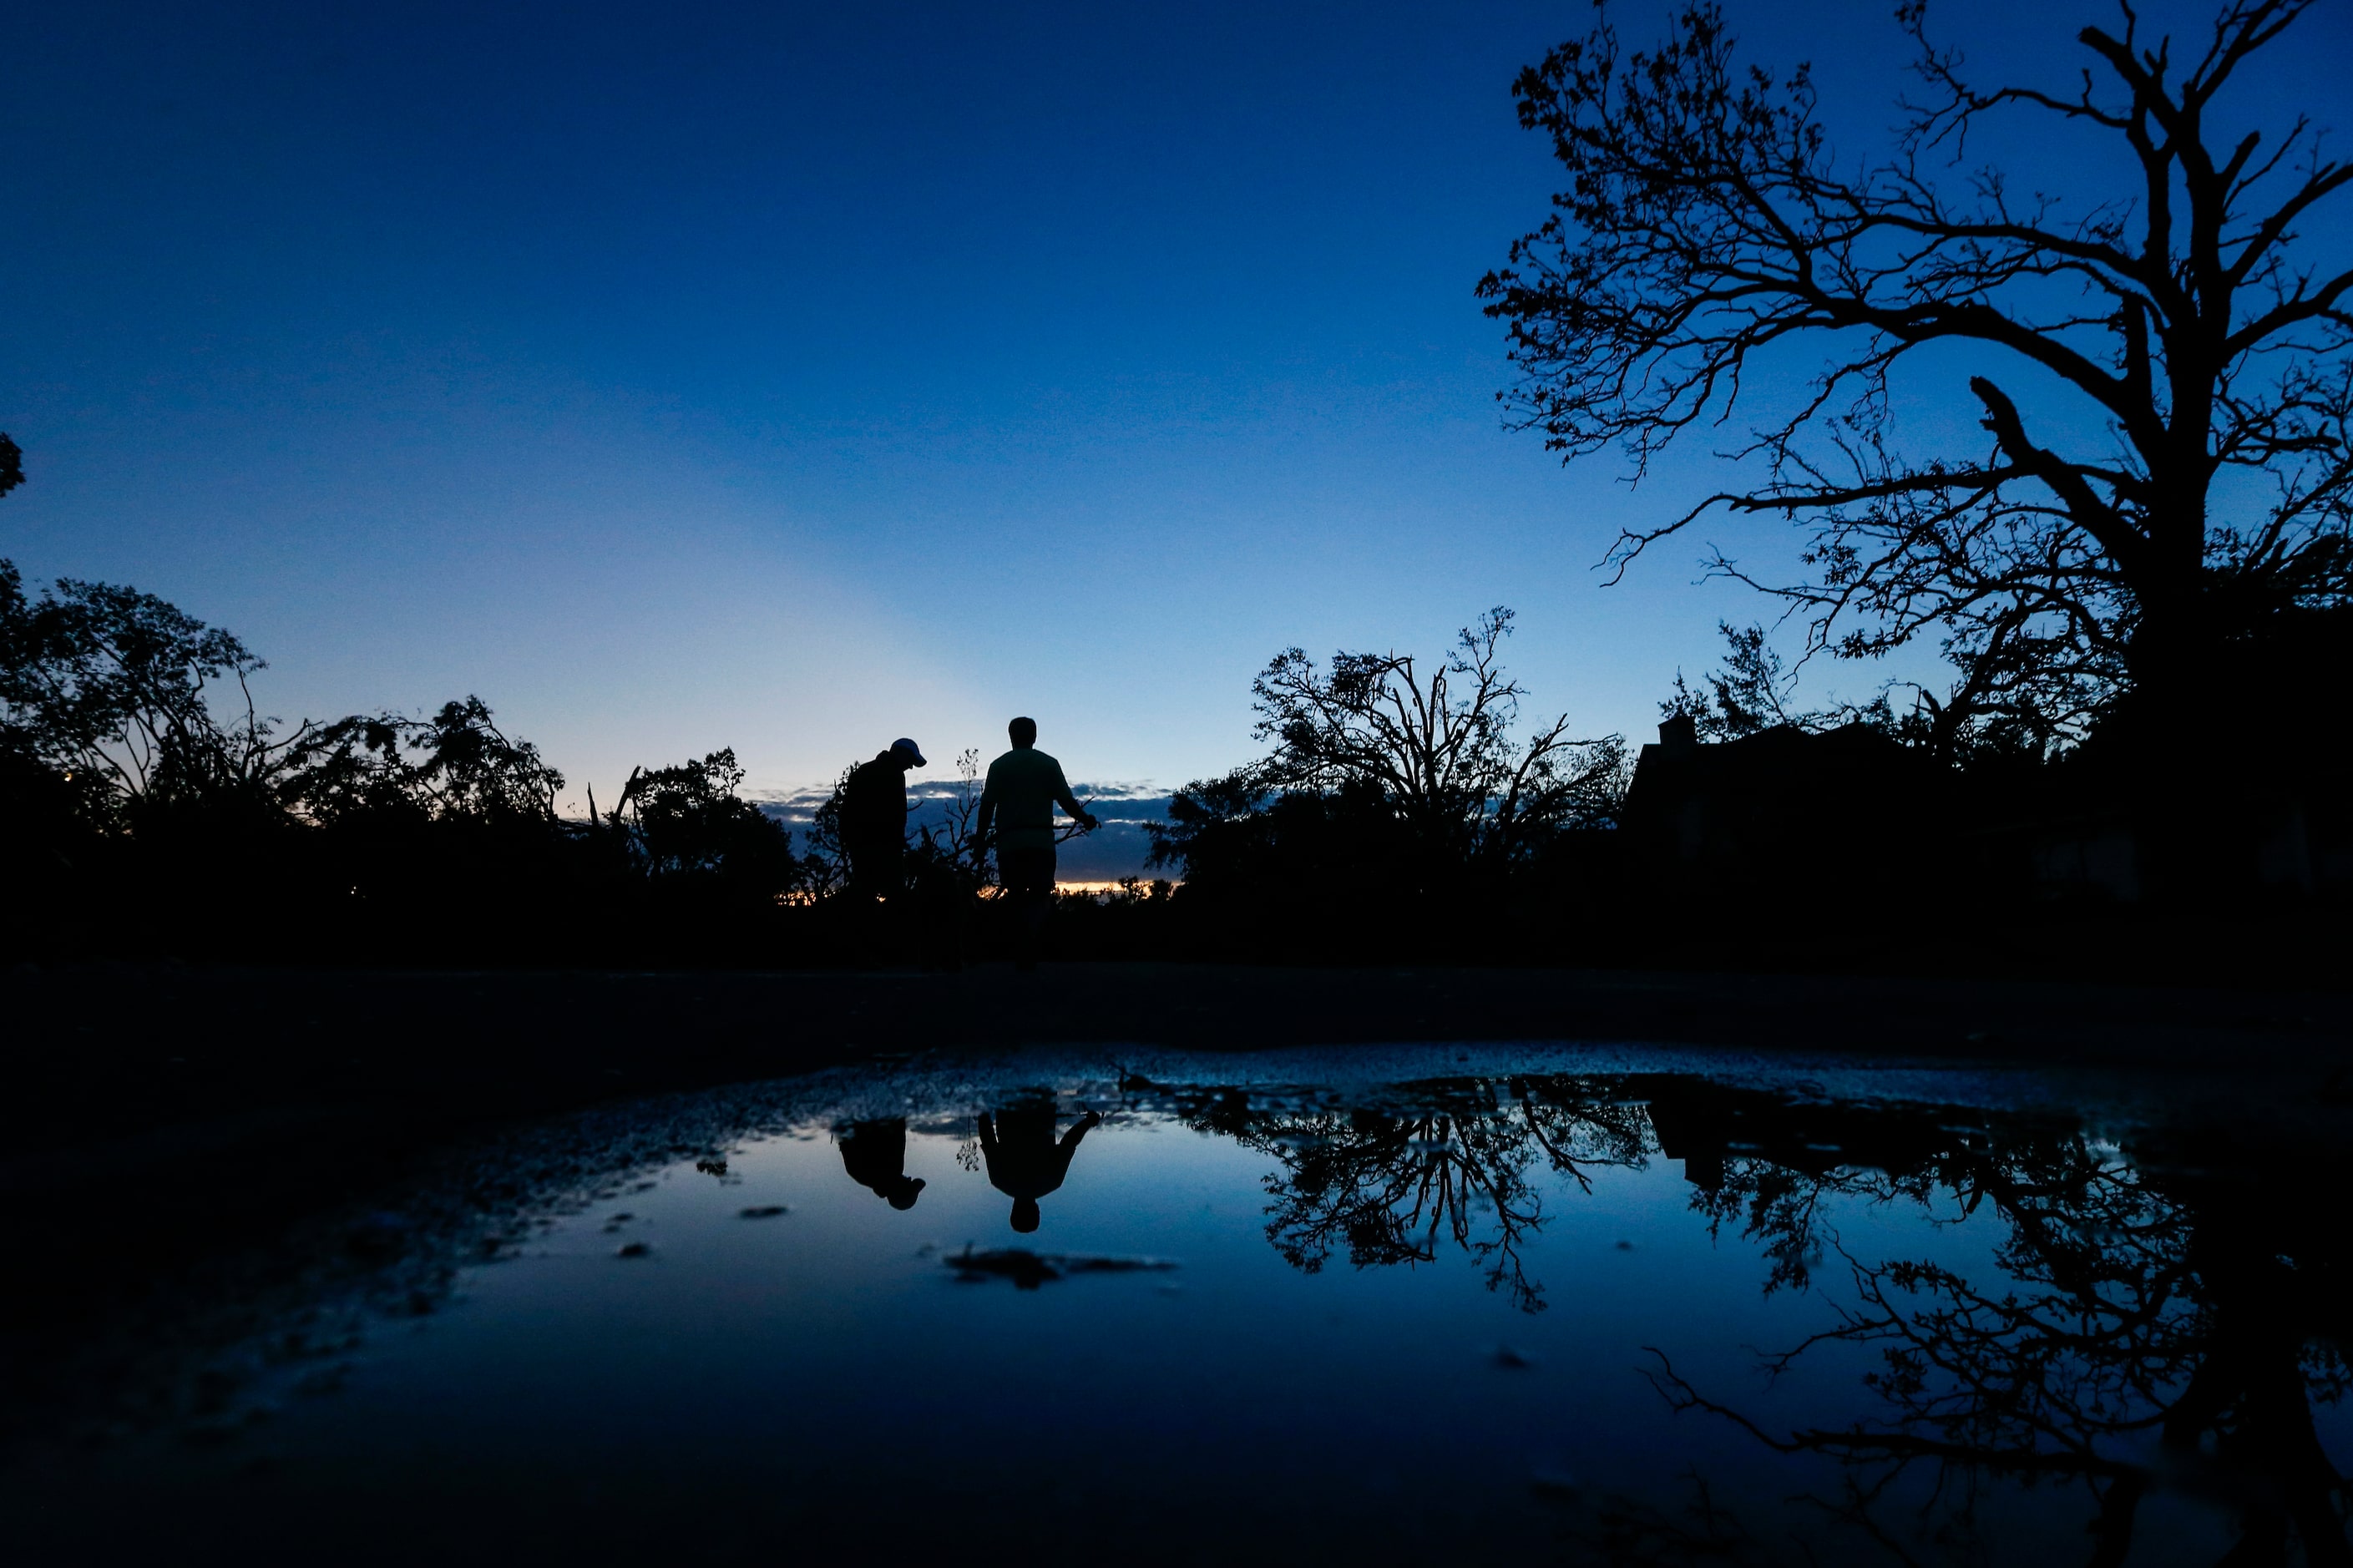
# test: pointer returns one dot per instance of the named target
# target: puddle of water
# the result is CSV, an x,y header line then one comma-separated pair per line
x,y
1419,1307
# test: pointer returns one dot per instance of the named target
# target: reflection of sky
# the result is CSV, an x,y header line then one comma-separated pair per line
x,y
792,377
826,1367
823,1374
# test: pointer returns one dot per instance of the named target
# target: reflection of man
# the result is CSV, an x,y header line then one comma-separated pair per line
x,y
874,820
1024,787
1025,1163
875,1155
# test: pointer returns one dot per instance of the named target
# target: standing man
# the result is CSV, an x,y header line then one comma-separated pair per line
x,y
874,820
1024,787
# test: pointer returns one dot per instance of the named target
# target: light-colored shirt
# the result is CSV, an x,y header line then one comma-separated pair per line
x,y
1024,787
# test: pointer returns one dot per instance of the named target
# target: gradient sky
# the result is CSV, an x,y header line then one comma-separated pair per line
x,y
795,377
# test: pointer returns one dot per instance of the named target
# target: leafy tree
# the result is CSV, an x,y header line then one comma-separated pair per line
x,y
1709,228
438,833
50,812
1239,840
1744,696
137,791
471,768
688,821
111,688
456,765
828,863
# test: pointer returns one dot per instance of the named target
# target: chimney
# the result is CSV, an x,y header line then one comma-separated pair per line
x,y
1678,734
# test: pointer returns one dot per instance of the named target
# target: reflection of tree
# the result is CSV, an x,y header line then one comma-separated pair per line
x,y
2142,1330
2138,1324
1781,1211
1450,1164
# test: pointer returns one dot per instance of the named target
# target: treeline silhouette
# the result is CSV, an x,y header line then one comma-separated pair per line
x,y
1406,814
1400,803
1405,811
149,826
156,813
1401,814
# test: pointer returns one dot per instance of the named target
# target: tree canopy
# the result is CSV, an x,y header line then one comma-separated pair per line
x,y
1440,749
1414,774
2163,370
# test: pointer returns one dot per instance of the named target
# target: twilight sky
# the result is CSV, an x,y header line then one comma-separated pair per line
x,y
793,377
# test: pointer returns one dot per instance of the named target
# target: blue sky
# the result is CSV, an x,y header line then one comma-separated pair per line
x,y
796,377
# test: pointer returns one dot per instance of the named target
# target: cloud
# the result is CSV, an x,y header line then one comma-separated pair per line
x,y
1115,850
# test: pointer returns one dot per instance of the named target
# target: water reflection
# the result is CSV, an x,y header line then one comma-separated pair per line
x,y
875,1155
1452,1161
1025,1161
1989,1335
1389,1185
2141,1327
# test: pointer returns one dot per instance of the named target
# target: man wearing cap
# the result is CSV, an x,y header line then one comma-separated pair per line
x,y
1024,787
874,820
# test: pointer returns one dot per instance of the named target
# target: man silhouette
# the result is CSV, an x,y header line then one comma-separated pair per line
x,y
875,1155
1024,787
874,820
1025,1163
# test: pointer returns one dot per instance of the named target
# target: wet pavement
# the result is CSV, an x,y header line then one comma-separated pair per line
x,y
1390,1304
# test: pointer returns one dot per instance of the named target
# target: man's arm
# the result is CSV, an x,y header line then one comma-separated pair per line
x,y
1070,1146
1069,802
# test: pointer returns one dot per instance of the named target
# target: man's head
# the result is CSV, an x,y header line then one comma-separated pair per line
x,y
906,753
1025,1214
1024,732
902,1192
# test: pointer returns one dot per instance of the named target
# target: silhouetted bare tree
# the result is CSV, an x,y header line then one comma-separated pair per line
x,y
951,844
1439,748
1708,228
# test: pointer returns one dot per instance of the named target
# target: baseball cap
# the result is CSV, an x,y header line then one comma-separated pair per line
x,y
913,750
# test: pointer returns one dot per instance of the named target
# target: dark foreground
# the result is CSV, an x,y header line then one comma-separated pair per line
x,y
195,1154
